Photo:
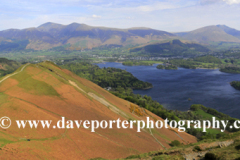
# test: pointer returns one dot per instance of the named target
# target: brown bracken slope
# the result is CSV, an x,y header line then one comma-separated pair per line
x,y
46,92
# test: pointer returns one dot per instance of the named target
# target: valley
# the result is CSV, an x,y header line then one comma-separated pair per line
x,y
120,80
85,72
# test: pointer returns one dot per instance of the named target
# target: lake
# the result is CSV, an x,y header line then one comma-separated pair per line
x,y
173,88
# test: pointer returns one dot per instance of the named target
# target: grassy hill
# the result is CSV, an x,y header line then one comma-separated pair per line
x,y
174,47
44,91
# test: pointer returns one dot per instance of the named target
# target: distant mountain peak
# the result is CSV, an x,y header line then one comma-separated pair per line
x,y
229,30
213,33
221,25
49,25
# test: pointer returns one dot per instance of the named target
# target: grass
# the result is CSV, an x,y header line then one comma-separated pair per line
x,y
6,138
154,131
206,65
21,76
207,116
204,114
213,131
38,87
3,98
3,142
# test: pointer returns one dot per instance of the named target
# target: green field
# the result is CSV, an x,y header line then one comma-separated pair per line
x,y
204,115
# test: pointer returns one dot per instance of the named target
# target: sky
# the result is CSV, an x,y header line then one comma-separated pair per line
x,y
167,15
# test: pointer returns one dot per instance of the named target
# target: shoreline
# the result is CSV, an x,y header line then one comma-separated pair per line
x,y
207,68
178,67
142,88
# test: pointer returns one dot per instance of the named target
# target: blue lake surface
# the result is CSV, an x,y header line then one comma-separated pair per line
x,y
172,88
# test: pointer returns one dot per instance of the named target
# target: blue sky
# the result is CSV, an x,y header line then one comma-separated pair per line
x,y
168,15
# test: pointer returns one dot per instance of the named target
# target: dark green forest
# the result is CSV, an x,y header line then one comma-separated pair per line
x,y
6,46
106,77
160,66
194,63
236,84
137,63
208,59
230,69
7,66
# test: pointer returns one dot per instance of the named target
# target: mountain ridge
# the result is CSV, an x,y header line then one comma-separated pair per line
x,y
82,36
213,33
76,36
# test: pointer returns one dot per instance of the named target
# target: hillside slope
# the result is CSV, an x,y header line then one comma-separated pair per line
x,y
174,47
229,30
46,92
210,34
224,149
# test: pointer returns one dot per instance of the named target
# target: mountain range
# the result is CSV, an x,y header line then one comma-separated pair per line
x,y
81,36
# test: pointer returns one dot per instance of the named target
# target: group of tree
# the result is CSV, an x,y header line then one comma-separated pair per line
x,y
144,101
233,61
137,63
106,77
169,67
230,69
208,59
7,66
236,84
194,63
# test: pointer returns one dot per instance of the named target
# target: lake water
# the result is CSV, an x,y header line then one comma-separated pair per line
x,y
173,88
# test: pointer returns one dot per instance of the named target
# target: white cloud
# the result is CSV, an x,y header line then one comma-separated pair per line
x,y
157,6
96,16
232,1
